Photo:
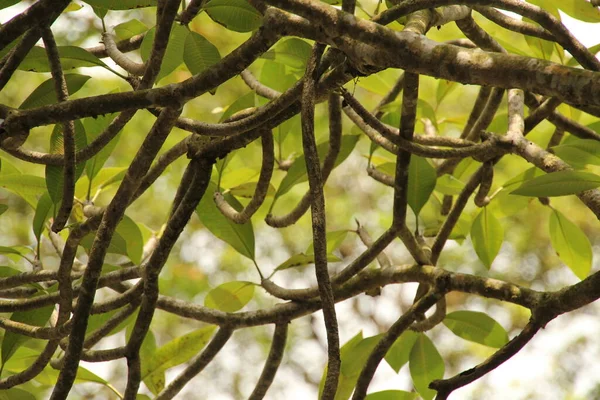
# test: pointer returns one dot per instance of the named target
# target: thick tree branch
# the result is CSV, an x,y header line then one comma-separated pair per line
x,y
315,182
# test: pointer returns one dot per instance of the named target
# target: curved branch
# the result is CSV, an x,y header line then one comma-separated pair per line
x,y
513,24
260,89
389,138
447,386
119,58
124,46
351,270
335,142
272,362
262,186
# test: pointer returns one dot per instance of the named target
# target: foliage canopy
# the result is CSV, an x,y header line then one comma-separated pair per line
x,y
463,135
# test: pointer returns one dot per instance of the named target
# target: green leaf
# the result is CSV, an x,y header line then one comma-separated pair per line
x,y
16,393
230,296
522,177
353,355
426,365
76,57
55,174
242,102
3,208
8,271
21,359
93,128
173,57
297,172
375,84
579,9
176,352
561,183
132,235
45,94
43,211
54,183
301,259
273,74
399,353
115,175
49,376
104,178
6,168
449,185
199,53
247,190
461,229
477,327
7,3
576,157
70,57
580,152
392,117
548,6
85,375
571,244
292,52
36,60
97,320
239,236
425,110
236,176
235,15
72,7
28,187
147,351
392,395
130,28
421,182
121,4
12,341
17,250
444,88
127,240
487,236
334,240
542,49
100,12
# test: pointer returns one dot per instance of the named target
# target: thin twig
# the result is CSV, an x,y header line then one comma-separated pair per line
x,y
197,364
262,187
388,339
447,386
